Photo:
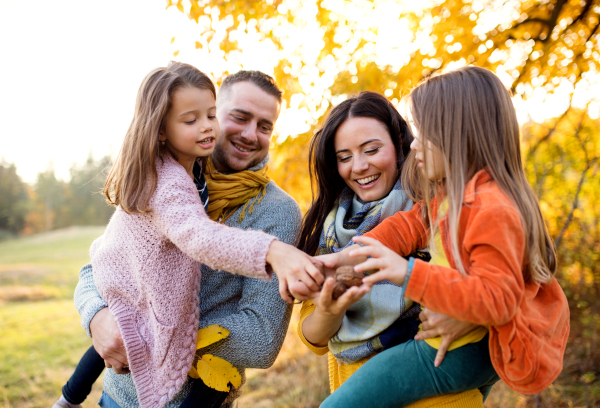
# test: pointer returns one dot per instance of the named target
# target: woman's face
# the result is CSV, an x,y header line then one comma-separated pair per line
x,y
366,158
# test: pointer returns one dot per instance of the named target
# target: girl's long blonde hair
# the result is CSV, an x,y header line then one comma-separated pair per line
x,y
468,114
132,179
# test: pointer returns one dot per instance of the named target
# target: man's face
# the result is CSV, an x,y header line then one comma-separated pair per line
x,y
247,115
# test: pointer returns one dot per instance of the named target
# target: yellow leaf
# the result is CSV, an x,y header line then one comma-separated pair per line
x,y
217,373
193,372
210,334
198,44
176,53
172,40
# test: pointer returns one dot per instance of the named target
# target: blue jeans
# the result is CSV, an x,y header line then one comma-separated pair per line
x,y
405,374
107,402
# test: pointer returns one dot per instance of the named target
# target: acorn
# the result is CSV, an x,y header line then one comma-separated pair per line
x,y
345,277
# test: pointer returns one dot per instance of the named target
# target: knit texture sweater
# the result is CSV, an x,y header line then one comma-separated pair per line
x,y
251,309
146,266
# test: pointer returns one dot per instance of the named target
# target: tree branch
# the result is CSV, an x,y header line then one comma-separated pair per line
x,y
548,135
575,202
586,8
593,32
533,20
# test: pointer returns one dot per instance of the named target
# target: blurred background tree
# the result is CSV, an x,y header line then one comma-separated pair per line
x,y
87,204
546,51
58,204
13,201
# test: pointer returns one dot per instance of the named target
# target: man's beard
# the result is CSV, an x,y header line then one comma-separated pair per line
x,y
219,156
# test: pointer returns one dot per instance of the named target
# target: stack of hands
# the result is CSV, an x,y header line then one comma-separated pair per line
x,y
303,277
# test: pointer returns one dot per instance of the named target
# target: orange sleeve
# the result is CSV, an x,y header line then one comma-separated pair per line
x,y
402,232
491,292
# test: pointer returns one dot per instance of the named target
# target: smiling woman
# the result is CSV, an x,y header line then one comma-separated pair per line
x,y
369,141
355,159
366,157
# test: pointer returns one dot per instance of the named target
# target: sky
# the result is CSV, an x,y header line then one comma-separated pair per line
x,y
69,74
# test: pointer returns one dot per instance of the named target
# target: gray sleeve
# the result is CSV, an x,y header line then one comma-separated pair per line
x,y
87,298
259,327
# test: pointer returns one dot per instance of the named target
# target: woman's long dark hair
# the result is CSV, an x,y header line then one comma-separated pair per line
x,y
322,161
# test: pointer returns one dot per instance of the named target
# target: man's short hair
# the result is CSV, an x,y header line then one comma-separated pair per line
x,y
260,79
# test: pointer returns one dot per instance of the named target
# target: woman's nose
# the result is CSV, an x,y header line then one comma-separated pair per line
x,y
359,165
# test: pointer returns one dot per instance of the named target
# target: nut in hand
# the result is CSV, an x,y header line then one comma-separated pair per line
x,y
338,290
345,278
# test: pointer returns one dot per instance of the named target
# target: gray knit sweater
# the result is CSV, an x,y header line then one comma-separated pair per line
x,y
250,309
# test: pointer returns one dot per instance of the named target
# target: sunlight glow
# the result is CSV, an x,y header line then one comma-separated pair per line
x,y
387,38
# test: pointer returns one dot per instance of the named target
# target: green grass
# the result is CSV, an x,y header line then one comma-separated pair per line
x,y
49,262
41,339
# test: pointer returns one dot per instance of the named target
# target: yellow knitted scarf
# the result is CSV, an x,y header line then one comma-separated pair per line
x,y
227,192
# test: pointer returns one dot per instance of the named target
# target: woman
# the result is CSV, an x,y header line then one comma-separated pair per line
x,y
368,141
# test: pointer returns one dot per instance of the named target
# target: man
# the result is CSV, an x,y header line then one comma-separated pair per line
x,y
257,318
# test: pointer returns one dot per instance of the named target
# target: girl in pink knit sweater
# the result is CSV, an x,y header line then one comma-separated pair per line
x,y
147,264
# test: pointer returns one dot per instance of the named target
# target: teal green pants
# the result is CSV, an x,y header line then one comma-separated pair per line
x,y
405,374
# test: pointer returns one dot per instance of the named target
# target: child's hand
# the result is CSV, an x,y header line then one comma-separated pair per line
x,y
330,263
334,260
328,306
392,267
437,324
293,267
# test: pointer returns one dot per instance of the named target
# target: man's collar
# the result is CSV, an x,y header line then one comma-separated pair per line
x,y
259,165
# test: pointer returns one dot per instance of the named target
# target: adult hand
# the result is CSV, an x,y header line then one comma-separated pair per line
x,y
325,321
391,266
334,260
330,263
108,342
437,324
336,307
293,268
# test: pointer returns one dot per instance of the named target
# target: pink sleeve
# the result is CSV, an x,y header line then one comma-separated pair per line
x,y
178,214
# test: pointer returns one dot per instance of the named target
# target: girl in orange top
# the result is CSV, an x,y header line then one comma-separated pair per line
x,y
477,212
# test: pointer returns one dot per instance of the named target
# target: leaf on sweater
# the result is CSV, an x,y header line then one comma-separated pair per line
x,y
210,334
216,373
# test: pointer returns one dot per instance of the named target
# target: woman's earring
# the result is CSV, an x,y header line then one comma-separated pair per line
x,y
161,142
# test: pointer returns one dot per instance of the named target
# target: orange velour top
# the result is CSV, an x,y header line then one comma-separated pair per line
x,y
528,322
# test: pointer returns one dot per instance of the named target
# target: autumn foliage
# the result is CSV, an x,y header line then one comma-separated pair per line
x,y
544,50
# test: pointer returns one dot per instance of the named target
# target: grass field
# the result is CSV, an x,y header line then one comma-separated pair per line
x,y
41,339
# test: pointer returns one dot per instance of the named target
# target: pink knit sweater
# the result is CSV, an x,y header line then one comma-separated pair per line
x,y
146,267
